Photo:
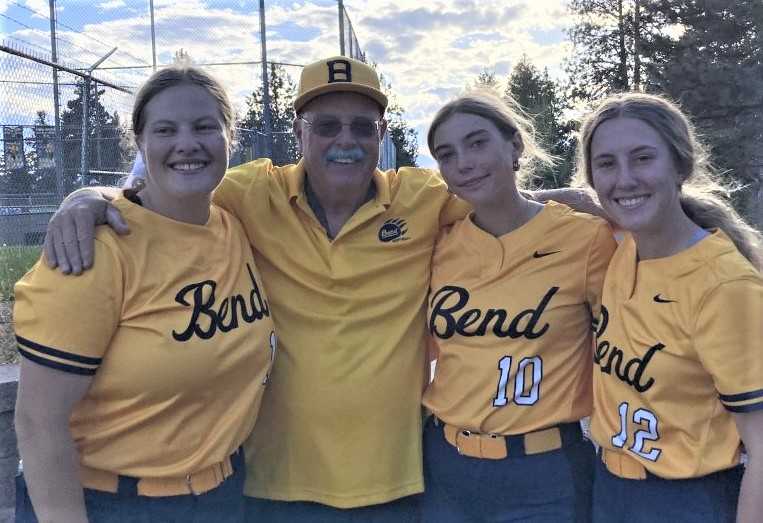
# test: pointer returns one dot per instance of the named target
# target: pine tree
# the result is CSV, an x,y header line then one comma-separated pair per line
x,y
714,69
486,79
282,92
609,38
403,136
105,134
539,97
42,157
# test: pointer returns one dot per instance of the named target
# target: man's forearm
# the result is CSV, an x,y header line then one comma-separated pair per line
x,y
92,192
579,199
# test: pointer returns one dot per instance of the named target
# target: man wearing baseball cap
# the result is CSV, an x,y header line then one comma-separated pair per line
x,y
344,251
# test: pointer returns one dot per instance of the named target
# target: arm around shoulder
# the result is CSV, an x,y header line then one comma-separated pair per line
x,y
579,199
242,187
69,239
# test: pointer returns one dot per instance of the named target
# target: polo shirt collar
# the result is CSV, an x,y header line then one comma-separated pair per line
x,y
379,190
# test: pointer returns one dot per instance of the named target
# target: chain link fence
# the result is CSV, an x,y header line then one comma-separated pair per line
x,y
46,153
68,74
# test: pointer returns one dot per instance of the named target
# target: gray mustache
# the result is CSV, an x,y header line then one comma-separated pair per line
x,y
355,154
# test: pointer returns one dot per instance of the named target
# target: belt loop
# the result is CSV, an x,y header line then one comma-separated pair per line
x,y
127,486
189,484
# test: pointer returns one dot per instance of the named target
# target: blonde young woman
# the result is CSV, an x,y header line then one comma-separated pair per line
x,y
678,375
141,379
514,288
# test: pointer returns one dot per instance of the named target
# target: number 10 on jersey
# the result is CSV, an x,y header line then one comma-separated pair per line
x,y
522,395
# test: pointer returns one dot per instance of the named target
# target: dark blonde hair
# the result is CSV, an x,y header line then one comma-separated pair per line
x,y
182,74
506,115
703,197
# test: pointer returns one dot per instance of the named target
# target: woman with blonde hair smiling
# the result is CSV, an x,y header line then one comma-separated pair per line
x,y
141,379
678,374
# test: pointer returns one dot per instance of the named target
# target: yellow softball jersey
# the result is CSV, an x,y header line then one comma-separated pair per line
x,y
678,351
512,319
174,325
341,422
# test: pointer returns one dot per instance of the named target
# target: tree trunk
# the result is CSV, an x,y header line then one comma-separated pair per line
x,y
623,69
637,45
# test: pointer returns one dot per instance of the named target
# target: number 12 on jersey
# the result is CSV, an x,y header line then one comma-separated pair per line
x,y
521,396
650,433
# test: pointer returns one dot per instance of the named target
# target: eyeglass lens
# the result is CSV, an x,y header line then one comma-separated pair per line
x,y
330,127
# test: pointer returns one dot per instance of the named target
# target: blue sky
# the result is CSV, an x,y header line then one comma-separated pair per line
x,y
428,51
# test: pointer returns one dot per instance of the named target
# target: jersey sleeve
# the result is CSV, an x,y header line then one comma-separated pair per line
x,y
455,209
728,336
66,322
237,186
431,187
599,254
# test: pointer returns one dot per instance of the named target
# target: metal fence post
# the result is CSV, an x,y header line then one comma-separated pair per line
x,y
83,163
98,137
153,34
267,118
57,152
340,4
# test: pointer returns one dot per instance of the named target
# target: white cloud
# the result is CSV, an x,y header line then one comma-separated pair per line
x,y
429,51
41,8
112,4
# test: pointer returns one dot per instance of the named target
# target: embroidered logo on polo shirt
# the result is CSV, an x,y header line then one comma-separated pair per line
x,y
393,230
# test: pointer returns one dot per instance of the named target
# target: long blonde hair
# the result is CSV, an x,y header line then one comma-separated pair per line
x,y
507,116
704,199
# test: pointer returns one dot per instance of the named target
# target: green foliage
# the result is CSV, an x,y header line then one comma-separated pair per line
x,y
402,135
486,79
105,135
705,54
610,42
539,97
282,91
714,70
15,261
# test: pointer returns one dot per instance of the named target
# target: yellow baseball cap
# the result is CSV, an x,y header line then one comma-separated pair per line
x,y
338,73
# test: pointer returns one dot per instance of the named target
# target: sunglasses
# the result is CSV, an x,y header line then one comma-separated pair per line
x,y
330,126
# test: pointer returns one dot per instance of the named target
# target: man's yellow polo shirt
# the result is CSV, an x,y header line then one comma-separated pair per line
x,y
340,423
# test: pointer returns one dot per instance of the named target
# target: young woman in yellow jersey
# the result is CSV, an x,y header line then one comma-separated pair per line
x,y
141,379
678,374
514,288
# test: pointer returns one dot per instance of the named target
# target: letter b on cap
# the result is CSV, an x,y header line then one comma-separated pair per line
x,y
339,71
